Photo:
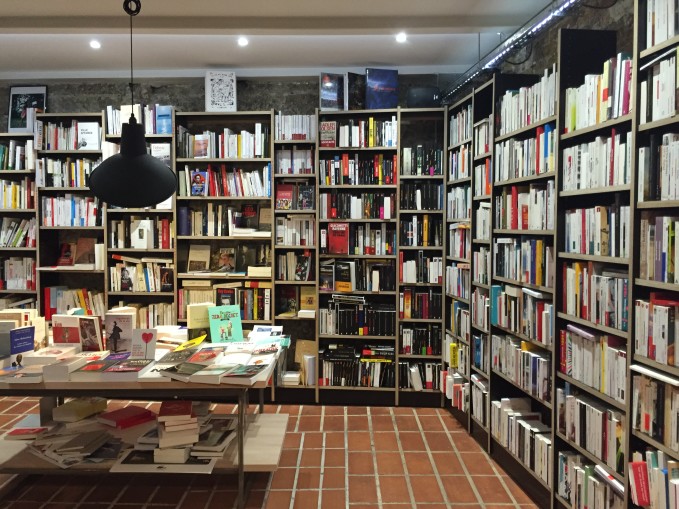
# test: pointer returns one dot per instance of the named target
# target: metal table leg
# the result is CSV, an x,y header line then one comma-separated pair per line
x,y
241,443
261,401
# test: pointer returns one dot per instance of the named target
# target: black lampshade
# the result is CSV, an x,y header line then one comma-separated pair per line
x,y
133,178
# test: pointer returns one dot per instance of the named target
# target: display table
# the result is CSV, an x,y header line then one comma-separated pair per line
x,y
259,437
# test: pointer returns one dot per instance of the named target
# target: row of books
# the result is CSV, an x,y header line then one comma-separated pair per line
x,y
423,269
212,219
655,328
479,346
457,390
654,480
483,136
17,273
459,240
460,320
661,22
658,252
76,136
520,430
70,210
658,87
460,163
530,104
294,266
421,339
239,182
59,299
419,376
153,315
479,399
156,118
458,357
422,160
360,133
527,366
459,203
458,282
602,96
421,231
17,232
592,426
526,260
582,484
597,360
358,239
658,167
483,178
357,275
523,311
601,230
602,162
297,230
521,208
480,308
344,169
64,173
336,205
295,196
17,194
481,265
226,144
295,127
655,398
141,232
420,304
597,294
357,318
144,276
294,161
528,157
14,156
422,196
482,221
460,126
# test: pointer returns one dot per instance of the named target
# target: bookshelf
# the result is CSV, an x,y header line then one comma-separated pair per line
x,y
19,243
358,186
68,148
142,242
296,242
224,209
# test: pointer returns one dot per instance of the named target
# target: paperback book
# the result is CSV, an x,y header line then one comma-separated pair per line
x,y
225,323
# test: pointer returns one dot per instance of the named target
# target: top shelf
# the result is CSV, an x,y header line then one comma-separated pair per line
x,y
345,113
226,114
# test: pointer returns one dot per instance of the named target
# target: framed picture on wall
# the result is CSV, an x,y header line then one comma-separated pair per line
x,y
220,91
21,99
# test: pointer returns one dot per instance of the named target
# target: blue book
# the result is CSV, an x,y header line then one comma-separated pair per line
x,y
381,88
225,323
495,292
163,119
22,339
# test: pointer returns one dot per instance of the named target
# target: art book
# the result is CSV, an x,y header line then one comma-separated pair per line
x,y
354,91
249,216
331,91
199,182
119,327
91,338
65,335
224,260
225,323
381,89
163,119
284,196
199,258
143,344
20,341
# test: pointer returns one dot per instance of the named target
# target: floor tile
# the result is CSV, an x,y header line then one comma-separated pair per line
x,y
361,463
334,440
334,478
411,441
389,463
333,423
333,499
394,489
490,489
311,458
477,463
278,499
382,423
426,489
362,489
418,463
447,463
283,479
438,441
309,423
359,441
306,499
308,479
313,440
458,490
385,441
334,458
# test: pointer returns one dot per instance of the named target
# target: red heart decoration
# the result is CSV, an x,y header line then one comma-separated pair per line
x,y
146,337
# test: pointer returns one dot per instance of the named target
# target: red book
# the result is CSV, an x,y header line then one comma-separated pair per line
x,y
639,480
175,410
514,218
538,148
345,168
338,238
563,366
126,417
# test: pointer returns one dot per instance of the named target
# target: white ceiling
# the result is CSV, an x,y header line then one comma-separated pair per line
x,y
50,38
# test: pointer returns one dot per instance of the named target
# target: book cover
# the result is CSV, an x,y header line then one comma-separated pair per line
x,y
327,133
207,355
199,183
119,327
326,277
284,196
306,197
143,344
244,375
246,256
163,119
142,461
307,298
126,417
201,143
92,370
84,250
338,238
89,136
131,367
249,216
166,279
66,254
225,323
199,258
91,338
65,335
175,410
331,91
303,268
224,260
162,151
20,341
354,96
287,300
381,89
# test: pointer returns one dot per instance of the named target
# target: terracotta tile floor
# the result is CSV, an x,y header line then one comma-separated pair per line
x,y
333,457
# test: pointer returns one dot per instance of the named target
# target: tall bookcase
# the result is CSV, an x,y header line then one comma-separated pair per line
x,y
358,232
224,166
296,243
422,235
17,219
66,209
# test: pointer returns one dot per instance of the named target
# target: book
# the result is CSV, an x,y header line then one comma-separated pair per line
x,y
119,322
92,371
24,375
171,455
224,260
354,91
127,370
199,182
163,119
77,409
48,355
246,256
91,339
89,136
199,258
338,238
126,417
211,374
182,372
328,133
175,410
207,355
143,344
287,301
84,251
245,375
67,252
166,279
60,371
249,216
284,196
381,89
225,323
331,91
133,461
21,340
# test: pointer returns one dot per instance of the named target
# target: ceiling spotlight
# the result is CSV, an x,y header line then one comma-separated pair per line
x,y
243,41
94,44
401,37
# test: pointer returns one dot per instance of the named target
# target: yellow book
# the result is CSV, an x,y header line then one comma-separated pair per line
x,y
380,166
425,230
15,201
454,349
240,145
255,306
81,299
539,260
371,132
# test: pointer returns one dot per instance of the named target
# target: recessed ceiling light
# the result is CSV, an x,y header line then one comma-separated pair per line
x,y
401,37
243,41
94,44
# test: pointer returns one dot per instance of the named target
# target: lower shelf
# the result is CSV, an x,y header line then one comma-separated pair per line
x,y
263,446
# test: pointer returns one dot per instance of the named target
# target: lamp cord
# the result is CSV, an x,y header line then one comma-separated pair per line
x,y
132,7
131,68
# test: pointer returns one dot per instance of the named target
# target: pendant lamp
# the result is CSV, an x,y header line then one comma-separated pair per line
x,y
132,178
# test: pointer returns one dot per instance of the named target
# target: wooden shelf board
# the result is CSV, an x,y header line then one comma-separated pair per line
x,y
663,122
591,391
459,299
523,337
455,182
594,258
607,124
591,325
658,204
647,283
479,371
545,404
533,474
670,370
672,41
528,178
483,156
623,188
481,197
591,457
525,129
456,259
459,144
509,281
481,285
654,443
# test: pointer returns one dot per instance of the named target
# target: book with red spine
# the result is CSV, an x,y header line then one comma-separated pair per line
x,y
126,417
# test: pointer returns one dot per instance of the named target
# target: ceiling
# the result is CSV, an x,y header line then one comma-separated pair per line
x,y
50,38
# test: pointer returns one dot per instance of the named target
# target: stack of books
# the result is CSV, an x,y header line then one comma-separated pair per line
x,y
178,429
